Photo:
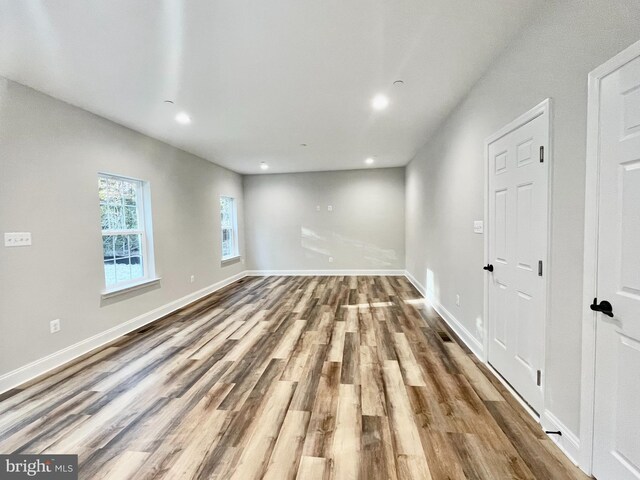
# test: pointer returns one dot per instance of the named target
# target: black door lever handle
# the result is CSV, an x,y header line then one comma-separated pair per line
x,y
488,268
604,307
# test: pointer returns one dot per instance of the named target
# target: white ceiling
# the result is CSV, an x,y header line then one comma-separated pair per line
x,y
261,77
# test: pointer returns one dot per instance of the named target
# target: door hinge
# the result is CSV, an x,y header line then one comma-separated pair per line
x,y
539,378
539,268
541,154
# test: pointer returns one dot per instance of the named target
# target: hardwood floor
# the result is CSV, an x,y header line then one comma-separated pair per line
x,y
285,377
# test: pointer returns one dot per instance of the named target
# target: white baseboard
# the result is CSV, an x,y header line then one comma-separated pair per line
x,y
465,335
568,442
473,343
416,284
50,362
325,273
55,360
469,340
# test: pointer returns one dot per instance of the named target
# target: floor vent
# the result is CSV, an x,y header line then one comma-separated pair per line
x,y
444,336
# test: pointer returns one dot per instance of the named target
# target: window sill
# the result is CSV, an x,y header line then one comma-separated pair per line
x,y
130,287
228,260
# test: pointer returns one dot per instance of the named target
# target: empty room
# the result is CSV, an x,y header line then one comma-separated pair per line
x,y
301,239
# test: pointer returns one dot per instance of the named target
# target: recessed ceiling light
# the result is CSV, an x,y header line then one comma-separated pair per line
x,y
369,161
380,102
183,118
264,166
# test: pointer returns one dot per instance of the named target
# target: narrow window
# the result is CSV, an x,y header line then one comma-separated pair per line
x,y
229,227
125,237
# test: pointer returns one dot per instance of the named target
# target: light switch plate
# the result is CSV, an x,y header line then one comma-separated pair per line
x,y
17,239
478,226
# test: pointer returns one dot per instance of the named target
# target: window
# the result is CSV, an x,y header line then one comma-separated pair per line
x,y
229,227
125,249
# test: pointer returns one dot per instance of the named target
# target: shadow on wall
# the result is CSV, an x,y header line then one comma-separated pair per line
x,y
323,244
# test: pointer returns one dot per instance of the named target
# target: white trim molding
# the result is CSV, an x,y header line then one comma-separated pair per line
x,y
460,330
325,273
544,108
416,283
590,265
469,340
568,442
57,359
475,345
138,285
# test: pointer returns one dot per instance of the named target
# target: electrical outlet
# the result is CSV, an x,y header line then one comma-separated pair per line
x,y
17,239
54,325
193,278
330,208
330,259
317,208
458,299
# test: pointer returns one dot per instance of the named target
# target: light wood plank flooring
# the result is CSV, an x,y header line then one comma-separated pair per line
x,y
285,377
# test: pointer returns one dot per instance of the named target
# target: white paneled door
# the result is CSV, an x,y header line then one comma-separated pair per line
x,y
518,174
616,453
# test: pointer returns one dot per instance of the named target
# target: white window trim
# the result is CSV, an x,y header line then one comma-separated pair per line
x,y
148,258
129,287
231,259
234,223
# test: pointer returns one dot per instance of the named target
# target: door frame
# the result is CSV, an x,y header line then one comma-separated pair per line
x,y
543,108
590,263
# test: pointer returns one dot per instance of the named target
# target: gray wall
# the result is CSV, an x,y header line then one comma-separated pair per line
x,y
445,180
50,156
365,230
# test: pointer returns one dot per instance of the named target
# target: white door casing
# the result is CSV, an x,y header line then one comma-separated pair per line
x,y
610,417
517,248
591,319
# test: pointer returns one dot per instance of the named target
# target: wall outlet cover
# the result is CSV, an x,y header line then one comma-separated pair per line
x,y
54,325
17,239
